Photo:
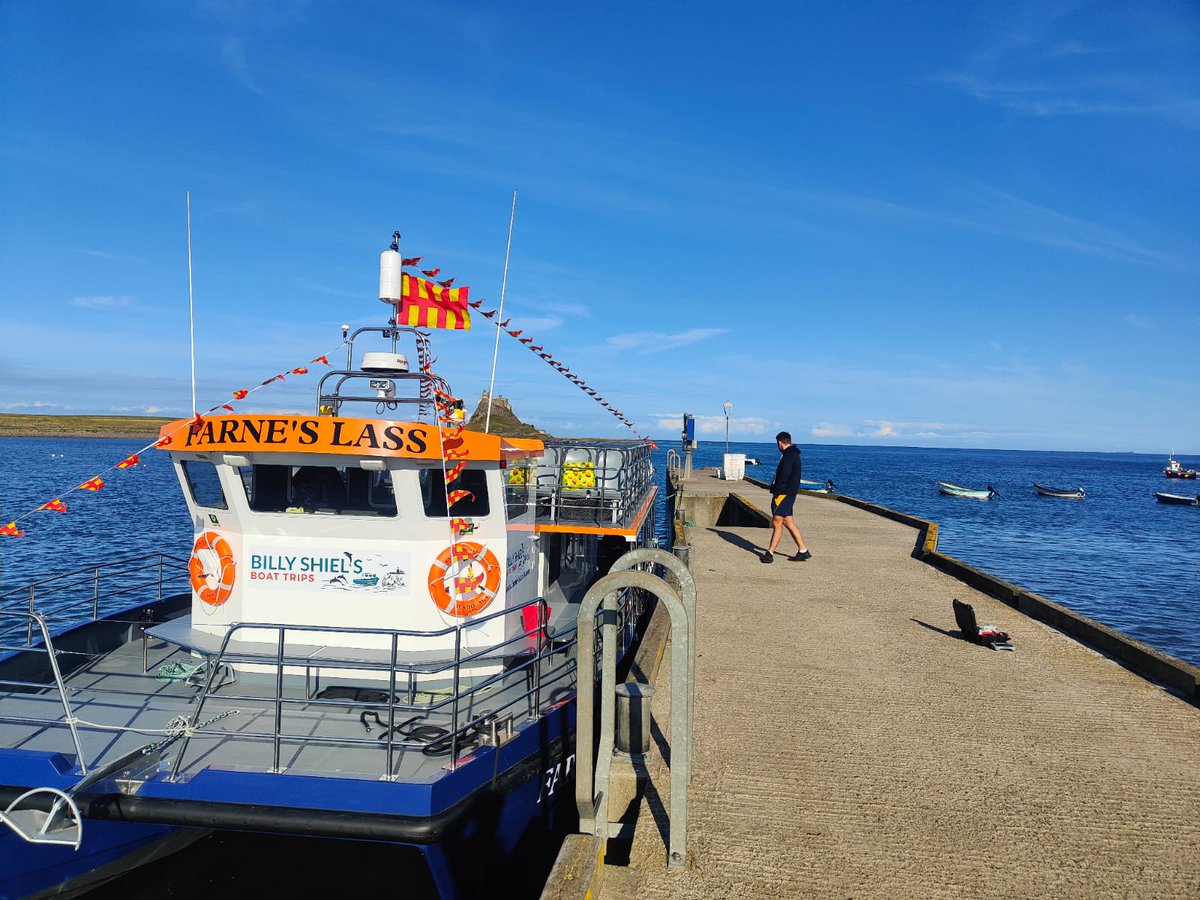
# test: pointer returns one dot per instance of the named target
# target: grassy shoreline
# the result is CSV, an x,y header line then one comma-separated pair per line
x,y
20,425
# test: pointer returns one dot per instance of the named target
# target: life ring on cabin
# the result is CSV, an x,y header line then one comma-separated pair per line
x,y
477,590
213,588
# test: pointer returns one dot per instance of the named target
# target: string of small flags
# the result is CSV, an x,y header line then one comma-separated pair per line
x,y
538,349
96,482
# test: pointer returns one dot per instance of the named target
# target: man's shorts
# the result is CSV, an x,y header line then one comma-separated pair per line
x,y
781,504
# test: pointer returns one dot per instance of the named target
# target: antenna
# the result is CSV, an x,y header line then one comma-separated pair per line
x,y
487,425
191,299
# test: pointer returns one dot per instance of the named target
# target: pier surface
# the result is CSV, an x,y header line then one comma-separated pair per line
x,y
849,743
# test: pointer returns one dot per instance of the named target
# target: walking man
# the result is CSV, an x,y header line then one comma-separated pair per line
x,y
783,496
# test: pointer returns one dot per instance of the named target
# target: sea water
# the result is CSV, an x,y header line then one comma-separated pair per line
x,y
1118,557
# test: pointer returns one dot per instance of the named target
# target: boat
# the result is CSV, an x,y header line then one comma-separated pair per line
x,y
1063,493
817,487
373,639
1176,499
1175,470
954,490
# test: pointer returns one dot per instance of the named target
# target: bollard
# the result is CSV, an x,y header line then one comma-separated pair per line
x,y
683,553
633,717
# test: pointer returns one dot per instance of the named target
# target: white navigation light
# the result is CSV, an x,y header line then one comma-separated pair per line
x,y
384,388
390,276
385,363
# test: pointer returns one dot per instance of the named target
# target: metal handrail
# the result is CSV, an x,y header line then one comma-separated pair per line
x,y
48,648
687,586
39,591
592,794
545,649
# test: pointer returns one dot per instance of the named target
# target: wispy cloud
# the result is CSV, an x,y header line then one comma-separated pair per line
x,y
883,429
101,254
712,425
1049,60
646,342
102,301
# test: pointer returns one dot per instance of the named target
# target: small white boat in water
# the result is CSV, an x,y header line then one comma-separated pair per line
x,y
1045,490
955,490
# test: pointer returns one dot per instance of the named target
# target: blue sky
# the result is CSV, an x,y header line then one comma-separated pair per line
x,y
940,224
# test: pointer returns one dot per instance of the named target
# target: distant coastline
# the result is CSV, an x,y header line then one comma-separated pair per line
x,y
18,425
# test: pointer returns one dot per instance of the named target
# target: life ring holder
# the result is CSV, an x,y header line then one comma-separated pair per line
x,y
213,595
479,597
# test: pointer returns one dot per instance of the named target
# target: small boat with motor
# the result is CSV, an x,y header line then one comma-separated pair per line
x,y
1176,499
1044,490
1175,470
373,639
817,487
955,490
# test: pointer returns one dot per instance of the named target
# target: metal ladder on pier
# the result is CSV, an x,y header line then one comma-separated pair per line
x,y
592,785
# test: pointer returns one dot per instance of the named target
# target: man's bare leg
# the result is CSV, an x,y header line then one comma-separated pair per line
x,y
790,524
776,532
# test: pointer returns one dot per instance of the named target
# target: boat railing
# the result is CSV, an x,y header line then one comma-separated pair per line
x,y
382,383
47,647
90,591
579,482
542,658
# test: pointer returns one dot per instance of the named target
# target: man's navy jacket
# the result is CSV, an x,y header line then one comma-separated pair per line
x,y
787,475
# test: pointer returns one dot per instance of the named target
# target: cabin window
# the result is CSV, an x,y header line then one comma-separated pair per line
x,y
433,493
320,490
203,483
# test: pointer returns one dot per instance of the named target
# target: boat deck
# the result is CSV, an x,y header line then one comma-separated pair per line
x,y
863,749
120,707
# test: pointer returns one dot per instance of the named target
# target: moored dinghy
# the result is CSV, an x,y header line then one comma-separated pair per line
x,y
1176,499
1045,490
956,490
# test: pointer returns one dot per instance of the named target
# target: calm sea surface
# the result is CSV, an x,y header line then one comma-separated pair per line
x,y
1118,556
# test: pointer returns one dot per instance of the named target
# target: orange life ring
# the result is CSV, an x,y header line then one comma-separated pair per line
x,y
474,592
213,589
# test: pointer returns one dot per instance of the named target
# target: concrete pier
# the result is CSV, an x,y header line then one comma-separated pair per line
x,y
849,743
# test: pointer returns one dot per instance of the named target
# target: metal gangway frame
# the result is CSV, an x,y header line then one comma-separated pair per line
x,y
592,785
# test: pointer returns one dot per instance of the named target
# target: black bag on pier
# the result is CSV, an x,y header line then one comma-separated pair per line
x,y
987,636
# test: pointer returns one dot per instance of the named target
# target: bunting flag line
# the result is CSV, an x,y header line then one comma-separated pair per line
x,y
515,333
96,483
411,260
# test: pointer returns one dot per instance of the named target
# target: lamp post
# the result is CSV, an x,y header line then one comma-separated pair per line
x,y
727,405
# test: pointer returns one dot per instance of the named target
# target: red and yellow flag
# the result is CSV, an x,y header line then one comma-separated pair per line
x,y
11,530
129,462
240,395
92,484
323,359
55,505
455,496
299,370
427,305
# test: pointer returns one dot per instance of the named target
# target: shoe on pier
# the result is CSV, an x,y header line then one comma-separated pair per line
x,y
767,557
801,556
